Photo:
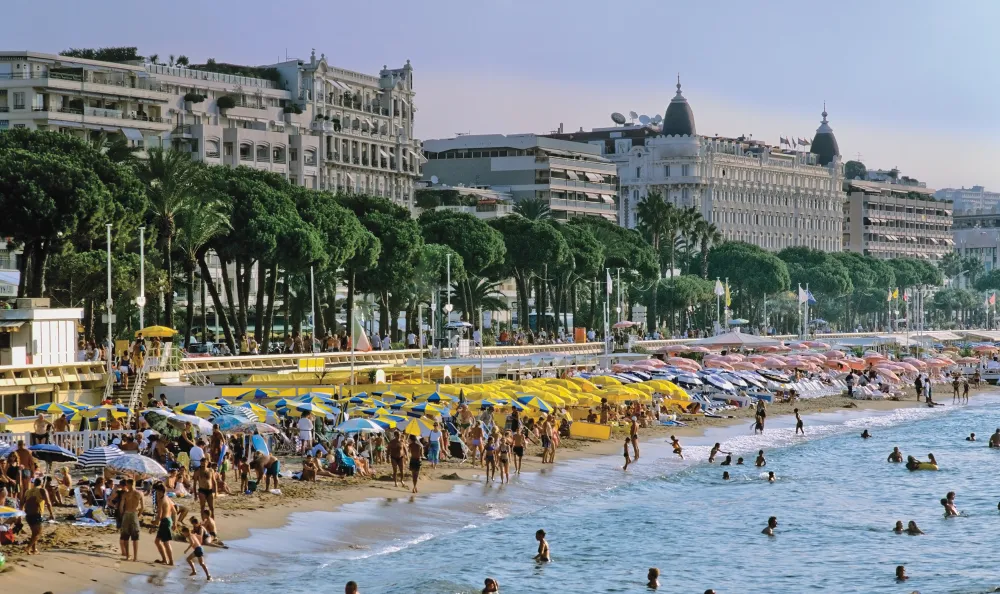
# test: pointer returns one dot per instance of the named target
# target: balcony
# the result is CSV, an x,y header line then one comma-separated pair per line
x,y
581,185
582,205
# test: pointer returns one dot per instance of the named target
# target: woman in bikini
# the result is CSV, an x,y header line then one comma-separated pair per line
x,y
504,453
490,460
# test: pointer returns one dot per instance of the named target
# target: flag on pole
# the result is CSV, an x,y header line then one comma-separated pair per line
x,y
608,271
361,342
809,297
895,294
802,295
729,301
906,296
993,298
719,291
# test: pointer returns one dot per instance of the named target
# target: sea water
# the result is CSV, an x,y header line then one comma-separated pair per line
x,y
836,499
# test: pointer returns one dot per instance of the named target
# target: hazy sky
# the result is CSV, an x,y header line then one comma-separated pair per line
x,y
912,84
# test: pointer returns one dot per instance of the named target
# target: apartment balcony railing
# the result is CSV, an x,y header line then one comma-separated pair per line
x,y
100,112
4,109
212,154
564,204
585,185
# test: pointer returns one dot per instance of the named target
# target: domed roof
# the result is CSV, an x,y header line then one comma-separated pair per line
x,y
824,144
679,119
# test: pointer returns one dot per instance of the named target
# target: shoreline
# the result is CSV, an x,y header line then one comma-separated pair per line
x,y
86,559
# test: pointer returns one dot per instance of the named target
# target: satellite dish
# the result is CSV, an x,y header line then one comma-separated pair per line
x,y
618,118
633,115
644,119
434,179
657,119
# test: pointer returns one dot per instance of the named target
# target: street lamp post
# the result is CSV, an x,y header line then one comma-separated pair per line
x,y
312,300
109,304
141,299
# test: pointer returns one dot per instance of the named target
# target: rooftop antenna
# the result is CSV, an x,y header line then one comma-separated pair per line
x,y
657,119
618,118
644,120
434,179
634,116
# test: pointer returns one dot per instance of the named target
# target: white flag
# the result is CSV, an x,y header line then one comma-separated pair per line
x,y
718,288
803,296
361,342
608,271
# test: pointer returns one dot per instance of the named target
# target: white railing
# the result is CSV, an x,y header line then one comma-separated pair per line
x,y
74,441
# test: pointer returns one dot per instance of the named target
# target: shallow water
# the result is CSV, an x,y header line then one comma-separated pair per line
x,y
836,499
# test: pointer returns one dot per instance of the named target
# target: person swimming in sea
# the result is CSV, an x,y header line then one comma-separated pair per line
x,y
653,578
932,459
971,437
898,528
912,529
772,523
949,508
728,461
770,477
739,461
896,456
912,463
677,446
995,439
716,449
865,434
901,574
725,477
491,586
543,555
760,461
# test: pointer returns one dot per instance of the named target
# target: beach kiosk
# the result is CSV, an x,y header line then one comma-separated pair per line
x,y
35,334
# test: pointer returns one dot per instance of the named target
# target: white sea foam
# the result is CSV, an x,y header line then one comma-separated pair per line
x,y
395,548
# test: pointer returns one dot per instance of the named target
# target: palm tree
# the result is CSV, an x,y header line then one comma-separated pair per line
x,y
169,176
115,146
706,234
483,294
535,209
197,226
656,221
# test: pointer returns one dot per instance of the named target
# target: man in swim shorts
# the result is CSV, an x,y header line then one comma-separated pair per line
x,y
476,443
772,523
163,525
132,508
895,456
995,439
416,453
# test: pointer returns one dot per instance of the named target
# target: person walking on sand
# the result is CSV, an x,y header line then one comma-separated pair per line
x,y
798,423
520,440
716,450
918,386
132,508
163,525
204,478
634,436
194,542
543,555
503,453
476,443
396,459
627,459
416,453
33,505
676,444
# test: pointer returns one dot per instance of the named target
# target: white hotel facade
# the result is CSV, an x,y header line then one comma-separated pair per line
x,y
752,192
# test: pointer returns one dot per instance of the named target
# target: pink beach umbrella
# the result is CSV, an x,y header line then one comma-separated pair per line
x,y
834,355
815,344
889,375
745,366
698,349
717,364
838,365
672,348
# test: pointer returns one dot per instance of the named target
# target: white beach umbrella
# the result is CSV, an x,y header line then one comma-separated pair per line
x,y
137,466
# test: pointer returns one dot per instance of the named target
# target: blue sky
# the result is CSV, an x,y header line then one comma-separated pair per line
x,y
912,84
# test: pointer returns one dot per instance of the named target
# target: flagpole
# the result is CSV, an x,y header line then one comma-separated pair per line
x,y
805,326
607,294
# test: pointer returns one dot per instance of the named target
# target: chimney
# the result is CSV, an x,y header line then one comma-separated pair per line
x,y
560,127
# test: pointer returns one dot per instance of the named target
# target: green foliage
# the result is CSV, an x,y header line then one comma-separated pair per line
x,y
534,209
531,245
292,108
480,245
855,170
271,74
105,54
623,248
193,97
226,102
753,273
428,198
823,273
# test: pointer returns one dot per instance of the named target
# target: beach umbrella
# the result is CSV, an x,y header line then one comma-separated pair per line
x,y
671,349
234,424
198,409
359,426
258,410
738,322
984,348
437,397
699,349
534,402
282,403
256,395
220,402
156,332
316,409
238,411
117,410
419,409
623,324
315,398
9,513
178,421
76,404
137,466
98,457
6,449
605,380
816,344
834,355
4,419
370,411
418,427
481,404
387,417
47,452
967,360
53,408
385,424
265,429
159,419
394,396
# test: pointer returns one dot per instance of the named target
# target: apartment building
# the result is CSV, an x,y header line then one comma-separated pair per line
x,y
967,199
753,192
481,203
572,177
976,232
896,220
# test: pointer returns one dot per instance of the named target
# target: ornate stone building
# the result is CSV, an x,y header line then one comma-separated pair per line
x,y
752,192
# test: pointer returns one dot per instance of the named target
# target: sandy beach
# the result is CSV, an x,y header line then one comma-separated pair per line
x,y
75,559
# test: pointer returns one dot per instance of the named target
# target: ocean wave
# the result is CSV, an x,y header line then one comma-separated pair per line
x,y
395,548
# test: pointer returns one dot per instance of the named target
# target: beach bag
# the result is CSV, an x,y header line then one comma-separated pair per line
x,y
251,486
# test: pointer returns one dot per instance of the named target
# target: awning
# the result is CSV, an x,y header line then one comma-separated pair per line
x,y
346,86
132,134
403,101
593,176
948,241
384,154
932,240
350,179
10,325
607,199
592,196
572,175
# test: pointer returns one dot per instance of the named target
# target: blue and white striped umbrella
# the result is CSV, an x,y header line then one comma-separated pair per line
x,y
99,457
238,411
359,426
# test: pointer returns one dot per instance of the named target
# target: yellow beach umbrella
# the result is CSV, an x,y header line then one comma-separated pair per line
x,y
198,409
585,384
156,332
4,419
605,380
257,409
418,427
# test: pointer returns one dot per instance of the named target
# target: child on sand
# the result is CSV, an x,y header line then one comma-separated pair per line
x,y
627,459
194,542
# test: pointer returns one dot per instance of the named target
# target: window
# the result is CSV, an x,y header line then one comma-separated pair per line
x,y
638,171
4,124
278,154
20,126
666,172
212,148
246,152
262,153
228,147
19,100
310,158
293,154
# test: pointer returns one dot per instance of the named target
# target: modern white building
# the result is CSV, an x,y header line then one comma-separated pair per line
x,y
479,202
572,177
968,199
976,232
753,192
896,220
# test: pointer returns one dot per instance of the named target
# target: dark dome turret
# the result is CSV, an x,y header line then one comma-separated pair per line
x,y
679,119
824,144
